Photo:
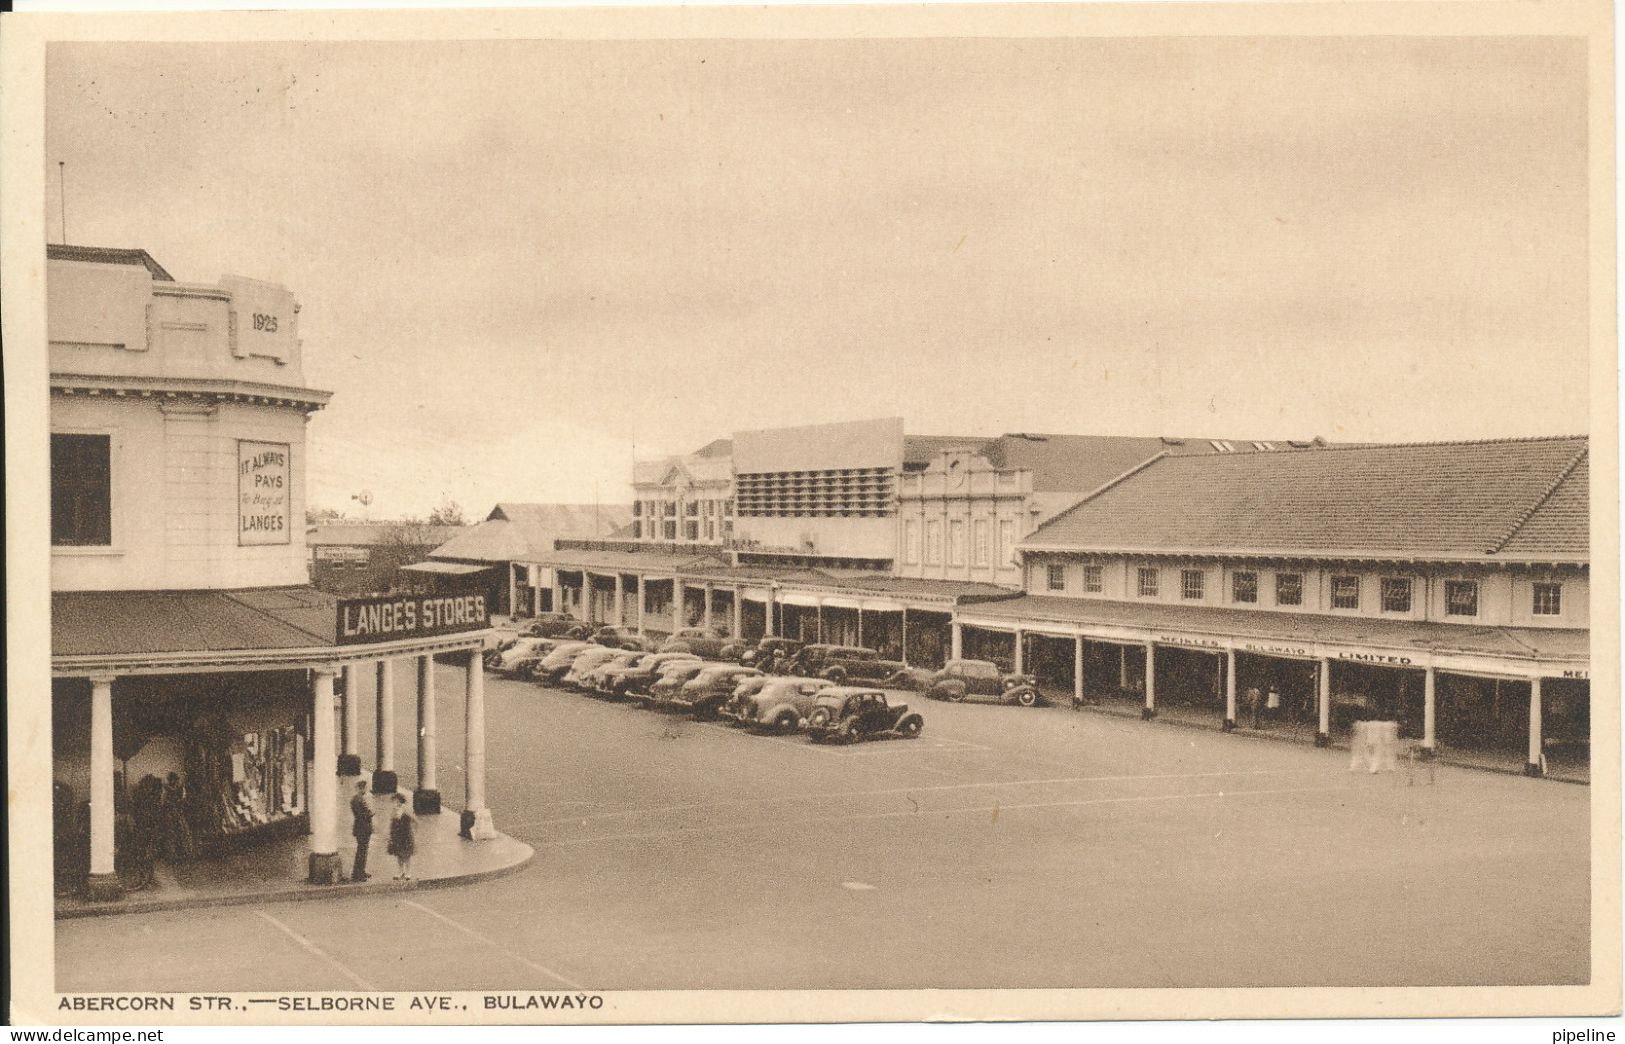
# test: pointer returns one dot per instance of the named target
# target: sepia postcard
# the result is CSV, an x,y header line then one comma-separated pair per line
x,y
812,514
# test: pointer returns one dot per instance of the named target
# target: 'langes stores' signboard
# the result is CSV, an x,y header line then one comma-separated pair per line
x,y
264,493
390,618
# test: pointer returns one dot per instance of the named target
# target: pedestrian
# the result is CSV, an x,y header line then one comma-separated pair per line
x,y
1255,701
1272,703
777,666
177,829
361,813
403,838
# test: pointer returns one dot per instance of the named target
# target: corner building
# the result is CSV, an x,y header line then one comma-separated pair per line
x,y
1445,586
195,672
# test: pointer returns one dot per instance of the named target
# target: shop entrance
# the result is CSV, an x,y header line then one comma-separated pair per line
x,y
1190,683
1566,727
752,620
978,643
1114,672
1049,659
1366,692
1296,688
1484,717
929,638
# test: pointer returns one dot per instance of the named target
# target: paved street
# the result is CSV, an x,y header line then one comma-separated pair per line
x,y
1003,848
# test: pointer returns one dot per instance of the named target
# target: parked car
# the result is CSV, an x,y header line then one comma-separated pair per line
x,y
635,680
847,714
585,661
548,625
581,632
844,663
710,644
554,664
706,692
594,681
959,679
761,654
673,676
618,637
769,702
509,659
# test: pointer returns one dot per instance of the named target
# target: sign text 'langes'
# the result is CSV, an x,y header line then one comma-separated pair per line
x,y
394,617
264,493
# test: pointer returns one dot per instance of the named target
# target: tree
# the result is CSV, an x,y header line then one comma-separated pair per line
x,y
449,513
316,515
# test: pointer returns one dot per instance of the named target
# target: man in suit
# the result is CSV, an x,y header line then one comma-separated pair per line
x,y
361,812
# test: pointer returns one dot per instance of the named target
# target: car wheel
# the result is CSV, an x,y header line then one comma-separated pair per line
x,y
786,723
955,695
910,727
836,675
849,731
819,718
1027,698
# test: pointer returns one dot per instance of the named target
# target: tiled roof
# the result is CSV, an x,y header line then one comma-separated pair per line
x,y
105,623
1507,499
516,532
107,256
716,448
1278,627
1071,463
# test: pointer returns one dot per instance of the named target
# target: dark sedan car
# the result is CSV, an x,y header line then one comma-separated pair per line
x,y
959,679
636,679
548,625
706,692
847,714
844,663
761,655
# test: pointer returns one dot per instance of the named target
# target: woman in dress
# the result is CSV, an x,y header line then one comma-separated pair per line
x,y
403,837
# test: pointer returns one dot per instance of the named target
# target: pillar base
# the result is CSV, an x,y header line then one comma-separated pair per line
x,y
103,888
477,825
384,781
349,764
426,802
1532,768
1427,753
1323,739
324,868
1229,725
1147,713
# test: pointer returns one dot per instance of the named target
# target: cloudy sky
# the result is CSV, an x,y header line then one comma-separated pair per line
x,y
521,263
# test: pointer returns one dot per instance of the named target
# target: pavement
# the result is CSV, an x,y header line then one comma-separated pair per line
x,y
1006,847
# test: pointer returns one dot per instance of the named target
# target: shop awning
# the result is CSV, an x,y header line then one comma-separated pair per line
x,y
445,568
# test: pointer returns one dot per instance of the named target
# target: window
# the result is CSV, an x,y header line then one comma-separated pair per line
x,y
671,530
1007,541
81,490
1461,598
1548,600
1345,592
1094,579
637,528
1244,587
1148,583
691,508
911,541
933,542
1396,594
1192,584
691,530
1288,588
982,541
956,543
1056,577
637,508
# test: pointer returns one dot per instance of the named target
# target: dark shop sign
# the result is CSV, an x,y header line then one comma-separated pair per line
x,y
391,618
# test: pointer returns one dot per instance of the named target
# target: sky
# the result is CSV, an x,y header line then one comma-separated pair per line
x,y
523,264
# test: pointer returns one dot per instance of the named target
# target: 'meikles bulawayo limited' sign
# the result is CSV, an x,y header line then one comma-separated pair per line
x,y
393,617
264,492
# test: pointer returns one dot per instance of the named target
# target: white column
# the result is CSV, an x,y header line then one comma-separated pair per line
x,y
738,614
1323,737
558,592
707,618
956,643
1122,667
586,598
476,820
1016,660
643,599
513,590
679,615
1535,767
860,625
324,786
820,620
905,635
1077,669
383,774
1150,710
1230,690
1430,739
427,792
103,866
768,630
351,762
620,599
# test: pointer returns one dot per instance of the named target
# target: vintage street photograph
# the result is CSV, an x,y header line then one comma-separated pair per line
x,y
545,517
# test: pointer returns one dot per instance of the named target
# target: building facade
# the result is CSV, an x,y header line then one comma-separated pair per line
x,y
685,500
357,558
1445,586
195,670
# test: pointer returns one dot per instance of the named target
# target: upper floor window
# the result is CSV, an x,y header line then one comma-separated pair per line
x,y
933,542
1056,577
1288,588
1192,584
1548,600
982,542
1244,587
1007,541
81,490
691,507
1094,579
1148,582
637,508
1396,594
911,541
956,543
1345,592
1461,597
637,528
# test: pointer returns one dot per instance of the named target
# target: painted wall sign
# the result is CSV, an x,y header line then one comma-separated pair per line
x,y
390,618
1194,643
1267,649
1382,659
343,554
264,493
1584,675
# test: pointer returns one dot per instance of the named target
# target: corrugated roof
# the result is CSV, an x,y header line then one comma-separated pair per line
x,y
921,450
1278,627
107,256
1522,499
516,532
358,534
101,623
1072,463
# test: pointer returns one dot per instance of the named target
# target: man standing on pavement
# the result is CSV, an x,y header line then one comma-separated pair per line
x,y
361,811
